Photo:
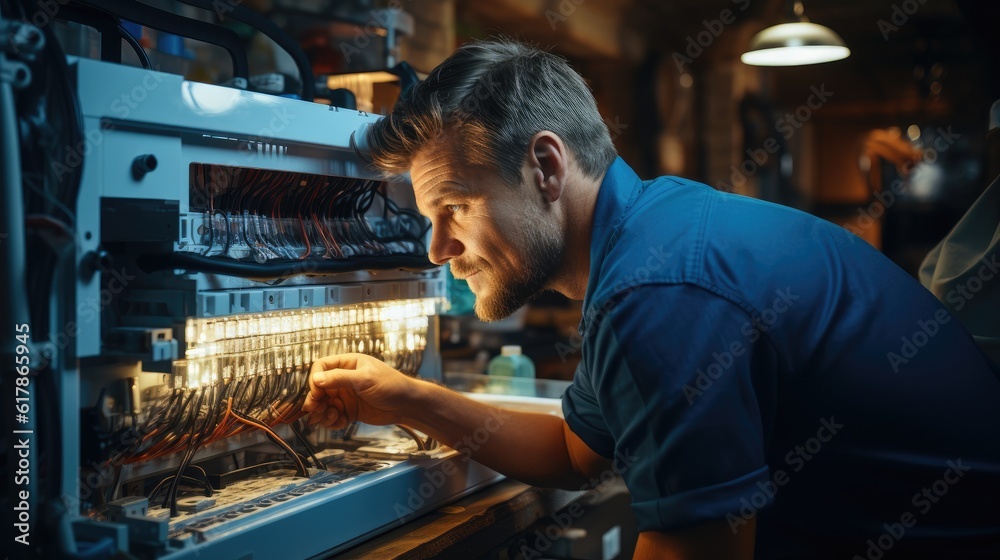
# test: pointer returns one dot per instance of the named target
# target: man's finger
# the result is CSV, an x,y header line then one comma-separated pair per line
x,y
331,416
315,393
336,361
322,367
315,406
316,416
334,379
312,402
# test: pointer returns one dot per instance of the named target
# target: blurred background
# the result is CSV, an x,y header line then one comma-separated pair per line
x,y
890,143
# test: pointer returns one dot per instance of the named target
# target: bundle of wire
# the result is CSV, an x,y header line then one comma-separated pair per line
x,y
191,418
270,216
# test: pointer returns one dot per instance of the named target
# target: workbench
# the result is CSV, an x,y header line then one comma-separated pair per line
x,y
508,517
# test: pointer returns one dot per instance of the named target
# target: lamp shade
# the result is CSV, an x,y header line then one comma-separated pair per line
x,y
795,44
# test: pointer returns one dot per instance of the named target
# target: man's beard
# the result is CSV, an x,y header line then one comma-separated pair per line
x,y
542,250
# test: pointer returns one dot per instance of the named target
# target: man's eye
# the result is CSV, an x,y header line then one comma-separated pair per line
x,y
453,208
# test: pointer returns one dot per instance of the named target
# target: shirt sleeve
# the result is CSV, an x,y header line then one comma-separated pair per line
x,y
583,414
672,380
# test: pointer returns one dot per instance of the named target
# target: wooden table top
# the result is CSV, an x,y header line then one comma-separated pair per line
x,y
469,527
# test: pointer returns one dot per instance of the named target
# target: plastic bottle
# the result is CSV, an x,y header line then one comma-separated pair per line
x,y
511,363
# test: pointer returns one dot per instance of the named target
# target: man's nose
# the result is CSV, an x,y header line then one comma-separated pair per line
x,y
444,246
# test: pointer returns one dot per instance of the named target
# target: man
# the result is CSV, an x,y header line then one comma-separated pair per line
x,y
777,386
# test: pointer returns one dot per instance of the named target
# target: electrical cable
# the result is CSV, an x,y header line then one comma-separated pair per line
x,y
106,24
350,431
275,270
139,51
29,182
196,439
302,471
260,466
169,22
272,31
35,221
413,434
330,214
169,478
204,476
307,444
192,445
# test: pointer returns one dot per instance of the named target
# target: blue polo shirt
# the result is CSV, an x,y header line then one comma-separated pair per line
x,y
741,358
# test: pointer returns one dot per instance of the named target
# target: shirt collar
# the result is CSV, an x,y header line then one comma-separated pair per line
x,y
618,192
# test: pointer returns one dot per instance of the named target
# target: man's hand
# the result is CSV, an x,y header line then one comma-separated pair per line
x,y
529,446
356,387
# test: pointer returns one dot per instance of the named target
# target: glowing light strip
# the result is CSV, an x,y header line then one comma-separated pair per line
x,y
242,345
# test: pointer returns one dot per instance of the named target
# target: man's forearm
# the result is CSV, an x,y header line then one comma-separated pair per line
x,y
527,446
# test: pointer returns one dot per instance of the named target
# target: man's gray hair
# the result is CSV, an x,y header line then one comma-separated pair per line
x,y
489,98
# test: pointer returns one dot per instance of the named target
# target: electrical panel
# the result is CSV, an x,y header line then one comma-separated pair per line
x,y
225,240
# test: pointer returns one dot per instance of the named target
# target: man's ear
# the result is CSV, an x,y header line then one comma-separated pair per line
x,y
547,164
